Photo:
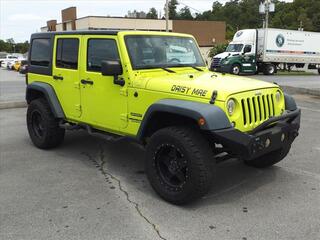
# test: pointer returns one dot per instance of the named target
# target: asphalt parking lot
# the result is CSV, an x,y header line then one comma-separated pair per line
x,y
12,86
92,189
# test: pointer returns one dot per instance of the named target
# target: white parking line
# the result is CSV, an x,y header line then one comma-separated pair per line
x,y
303,172
309,109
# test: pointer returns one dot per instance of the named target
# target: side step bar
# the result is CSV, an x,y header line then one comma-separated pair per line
x,y
91,131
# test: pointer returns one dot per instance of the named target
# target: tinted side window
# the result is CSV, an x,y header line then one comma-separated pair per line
x,y
99,50
67,53
40,52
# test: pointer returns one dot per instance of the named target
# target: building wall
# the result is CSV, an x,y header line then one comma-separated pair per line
x,y
69,26
96,22
69,15
59,27
207,33
51,25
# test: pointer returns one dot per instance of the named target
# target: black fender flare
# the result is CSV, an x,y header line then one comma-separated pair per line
x,y
215,117
35,88
290,103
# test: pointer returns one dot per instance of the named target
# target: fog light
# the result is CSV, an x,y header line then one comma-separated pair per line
x,y
233,124
282,137
267,143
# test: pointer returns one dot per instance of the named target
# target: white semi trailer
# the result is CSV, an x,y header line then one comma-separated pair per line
x,y
252,52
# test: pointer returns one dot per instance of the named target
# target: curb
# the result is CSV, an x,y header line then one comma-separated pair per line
x,y
9,105
298,90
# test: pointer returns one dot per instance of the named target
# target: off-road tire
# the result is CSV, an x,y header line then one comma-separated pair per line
x,y
199,163
232,70
269,69
52,135
269,159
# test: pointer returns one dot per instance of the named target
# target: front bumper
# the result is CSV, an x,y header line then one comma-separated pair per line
x,y
270,136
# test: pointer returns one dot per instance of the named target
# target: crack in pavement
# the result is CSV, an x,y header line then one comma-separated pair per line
x,y
105,173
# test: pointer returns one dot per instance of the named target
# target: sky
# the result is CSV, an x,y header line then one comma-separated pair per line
x,y
20,18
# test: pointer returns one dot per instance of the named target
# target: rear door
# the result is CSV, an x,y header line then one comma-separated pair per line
x,y
65,74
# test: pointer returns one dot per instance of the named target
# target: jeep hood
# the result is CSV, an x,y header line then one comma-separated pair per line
x,y
199,84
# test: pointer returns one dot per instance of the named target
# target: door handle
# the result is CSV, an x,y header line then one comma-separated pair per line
x,y
55,77
84,81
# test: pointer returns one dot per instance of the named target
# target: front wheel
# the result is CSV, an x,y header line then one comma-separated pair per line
x,y
269,159
319,70
235,69
43,127
178,164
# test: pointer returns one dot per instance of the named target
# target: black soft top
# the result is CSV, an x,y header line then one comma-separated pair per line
x,y
85,32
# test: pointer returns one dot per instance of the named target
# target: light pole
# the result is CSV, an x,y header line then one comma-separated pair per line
x,y
167,15
266,8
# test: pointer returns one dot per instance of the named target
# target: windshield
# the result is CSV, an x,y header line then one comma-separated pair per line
x,y
234,48
162,51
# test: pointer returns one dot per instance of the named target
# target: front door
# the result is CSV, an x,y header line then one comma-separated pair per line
x,y
65,74
104,104
248,63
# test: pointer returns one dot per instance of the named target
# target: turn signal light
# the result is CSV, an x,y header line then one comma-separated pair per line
x,y
201,121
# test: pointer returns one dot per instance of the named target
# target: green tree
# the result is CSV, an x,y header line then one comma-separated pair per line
x,y
219,48
185,14
152,14
7,46
172,9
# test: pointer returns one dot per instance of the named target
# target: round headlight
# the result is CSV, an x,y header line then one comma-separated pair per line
x,y
278,96
231,105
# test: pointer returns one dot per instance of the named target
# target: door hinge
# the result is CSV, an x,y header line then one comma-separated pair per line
x,y
76,85
78,107
124,92
124,117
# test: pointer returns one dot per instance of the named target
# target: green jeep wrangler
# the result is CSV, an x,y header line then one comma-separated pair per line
x,y
155,88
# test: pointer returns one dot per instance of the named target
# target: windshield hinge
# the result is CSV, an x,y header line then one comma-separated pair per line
x,y
213,97
124,92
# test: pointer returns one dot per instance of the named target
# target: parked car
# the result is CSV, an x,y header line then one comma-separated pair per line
x,y
16,65
5,61
3,56
23,67
125,84
10,59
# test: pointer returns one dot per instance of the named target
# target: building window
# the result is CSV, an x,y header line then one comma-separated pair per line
x,y
99,50
67,53
40,52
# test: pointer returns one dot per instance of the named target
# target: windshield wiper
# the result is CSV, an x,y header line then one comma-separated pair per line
x,y
167,69
186,65
197,68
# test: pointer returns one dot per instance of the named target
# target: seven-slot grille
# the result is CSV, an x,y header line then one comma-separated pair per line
x,y
257,109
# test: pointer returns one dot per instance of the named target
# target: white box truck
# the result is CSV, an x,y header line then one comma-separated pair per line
x,y
251,52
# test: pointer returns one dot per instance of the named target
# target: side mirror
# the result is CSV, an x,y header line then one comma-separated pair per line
x,y
112,68
246,50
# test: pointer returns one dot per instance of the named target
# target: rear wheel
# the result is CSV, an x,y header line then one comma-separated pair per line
x,y
270,158
235,69
43,127
269,69
178,164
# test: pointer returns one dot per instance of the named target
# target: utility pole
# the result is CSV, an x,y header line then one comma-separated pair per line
x,y
265,8
266,3
167,15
